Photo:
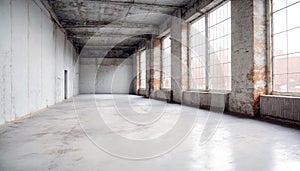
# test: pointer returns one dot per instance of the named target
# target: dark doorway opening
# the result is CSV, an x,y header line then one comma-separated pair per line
x,y
66,84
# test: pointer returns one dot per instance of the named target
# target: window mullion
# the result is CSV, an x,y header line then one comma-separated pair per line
x,y
207,58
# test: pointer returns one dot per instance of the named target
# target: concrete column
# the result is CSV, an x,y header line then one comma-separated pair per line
x,y
155,67
248,56
135,73
148,66
176,52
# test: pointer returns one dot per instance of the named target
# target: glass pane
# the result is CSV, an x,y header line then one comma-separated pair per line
x,y
198,52
293,13
193,41
229,55
293,40
219,47
280,83
211,33
228,83
289,2
279,21
201,38
211,83
202,84
192,30
294,63
280,65
294,82
280,44
278,4
227,70
192,75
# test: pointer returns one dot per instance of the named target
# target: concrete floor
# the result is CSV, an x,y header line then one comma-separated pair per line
x,y
120,132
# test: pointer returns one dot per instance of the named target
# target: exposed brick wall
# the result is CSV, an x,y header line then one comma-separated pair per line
x,y
260,56
155,66
184,57
248,56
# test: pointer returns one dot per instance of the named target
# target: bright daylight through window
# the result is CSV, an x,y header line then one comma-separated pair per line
x,y
286,49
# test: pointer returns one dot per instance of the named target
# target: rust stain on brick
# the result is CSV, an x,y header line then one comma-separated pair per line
x,y
156,42
250,75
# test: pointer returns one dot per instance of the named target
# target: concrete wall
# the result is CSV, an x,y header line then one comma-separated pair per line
x,y
106,75
34,53
206,100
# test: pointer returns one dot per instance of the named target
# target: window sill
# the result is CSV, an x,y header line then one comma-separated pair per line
x,y
165,89
206,99
142,92
210,91
285,94
163,94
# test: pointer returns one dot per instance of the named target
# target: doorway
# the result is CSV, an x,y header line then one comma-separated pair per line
x,y
66,84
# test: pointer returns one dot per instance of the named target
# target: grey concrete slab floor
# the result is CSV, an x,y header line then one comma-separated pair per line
x,y
127,132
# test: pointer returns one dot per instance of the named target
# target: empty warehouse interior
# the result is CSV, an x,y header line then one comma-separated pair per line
x,y
150,85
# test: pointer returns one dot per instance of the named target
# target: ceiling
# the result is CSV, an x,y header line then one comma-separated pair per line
x,y
111,28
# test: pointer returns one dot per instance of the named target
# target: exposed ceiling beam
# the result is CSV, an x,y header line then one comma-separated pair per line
x,y
121,36
104,47
100,44
135,4
67,24
111,34
105,39
106,53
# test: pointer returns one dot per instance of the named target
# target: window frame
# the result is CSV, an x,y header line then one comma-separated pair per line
x,y
270,52
205,53
207,57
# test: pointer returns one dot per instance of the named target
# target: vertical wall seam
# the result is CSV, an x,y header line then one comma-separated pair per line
x,y
11,71
41,85
28,53
55,68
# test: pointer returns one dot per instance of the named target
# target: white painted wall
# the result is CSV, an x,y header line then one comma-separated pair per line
x,y
34,53
108,75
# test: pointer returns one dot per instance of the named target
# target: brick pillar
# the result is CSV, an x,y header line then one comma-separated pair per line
x,y
155,67
248,56
184,57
